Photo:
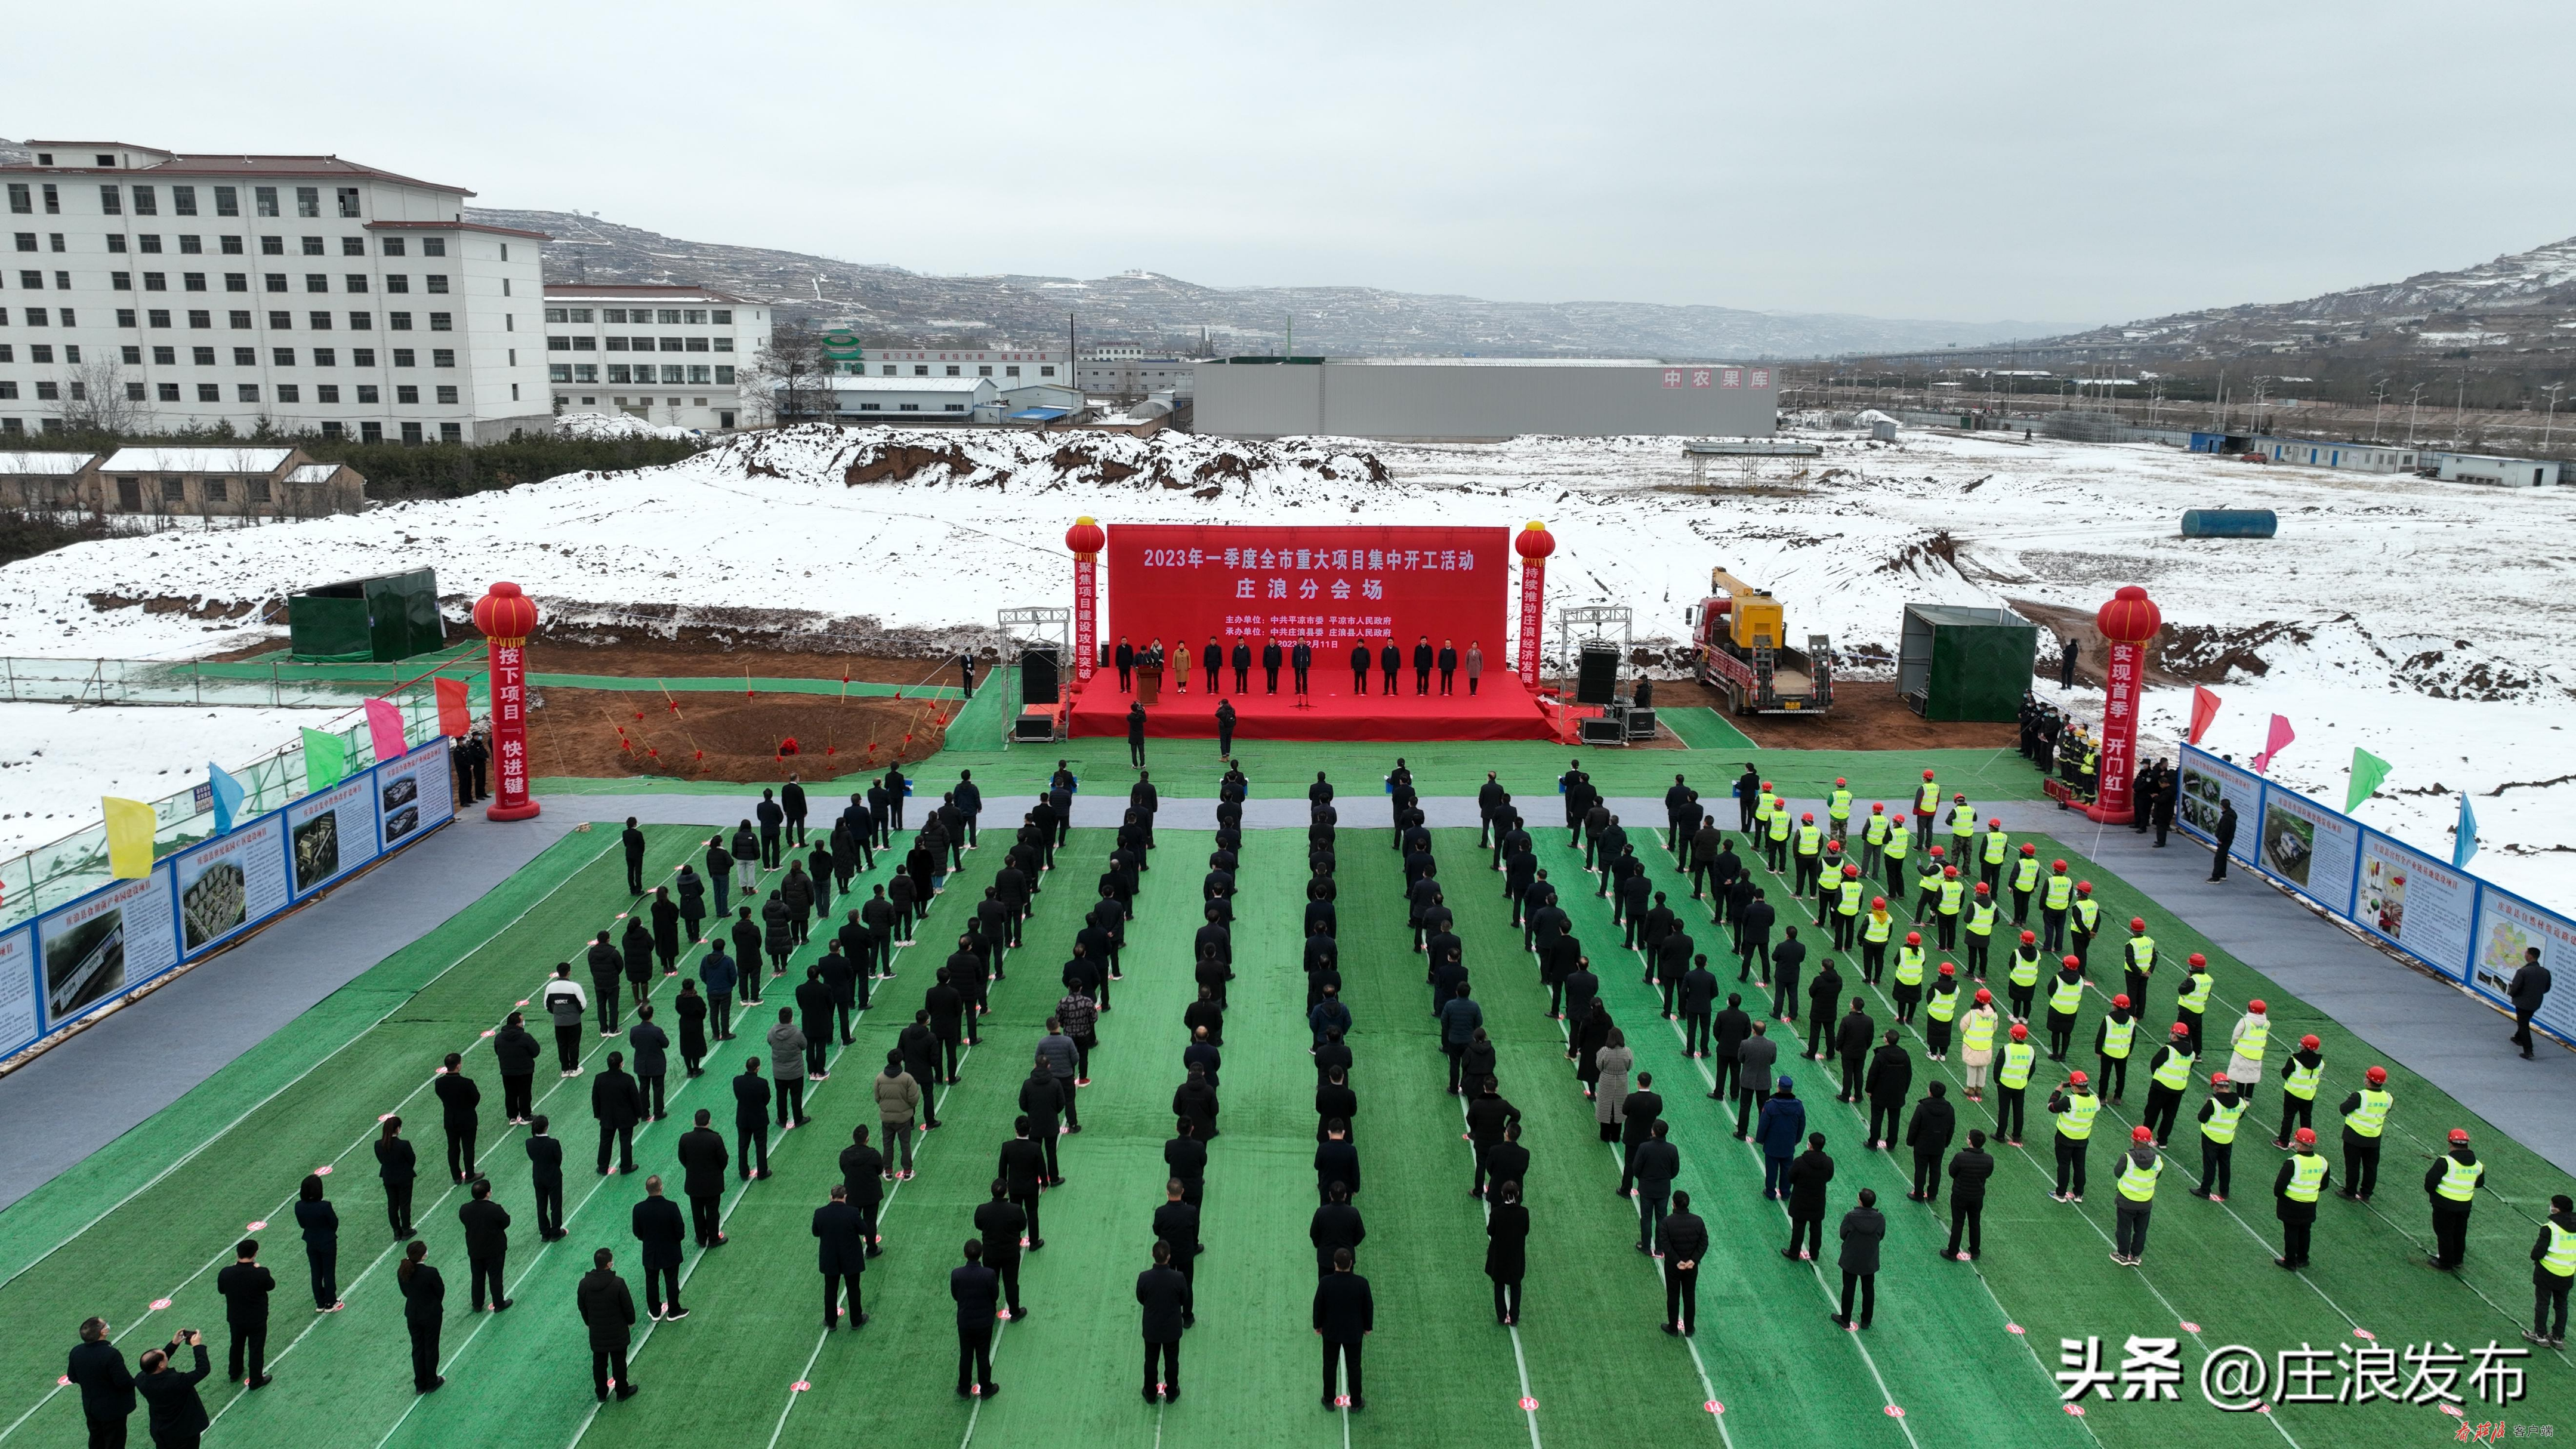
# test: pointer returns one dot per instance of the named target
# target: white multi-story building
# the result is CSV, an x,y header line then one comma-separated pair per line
x,y
161,291
1009,367
703,347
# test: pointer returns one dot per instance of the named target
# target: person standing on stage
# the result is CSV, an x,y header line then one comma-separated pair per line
x,y
1475,666
1270,660
1422,660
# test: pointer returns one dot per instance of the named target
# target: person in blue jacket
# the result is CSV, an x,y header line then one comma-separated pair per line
x,y
1782,1126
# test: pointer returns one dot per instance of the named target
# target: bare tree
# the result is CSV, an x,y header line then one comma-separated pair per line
x,y
793,375
95,400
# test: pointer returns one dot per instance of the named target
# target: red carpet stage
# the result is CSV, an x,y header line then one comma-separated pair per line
x,y
1500,710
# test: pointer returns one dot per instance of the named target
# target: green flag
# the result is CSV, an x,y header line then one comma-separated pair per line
x,y
326,759
2367,771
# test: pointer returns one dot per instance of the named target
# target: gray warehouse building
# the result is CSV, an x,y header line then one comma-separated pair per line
x,y
1469,399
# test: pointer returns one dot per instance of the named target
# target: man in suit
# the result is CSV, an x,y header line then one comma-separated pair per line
x,y
608,1310
1637,1118
1163,1291
1891,1076
1508,1160
1177,1222
106,1389
1337,1161
657,1225
1682,1243
652,1047
245,1287
1335,1228
1023,1169
703,1162
1864,1228
1806,1181
458,1101
618,1106
1969,1170
545,1174
863,1173
1657,1162
1929,1133
178,1417
977,1291
1345,1315
1001,1222
487,1245
751,1121
1185,1157
1488,1114
1270,658
841,1253
1390,663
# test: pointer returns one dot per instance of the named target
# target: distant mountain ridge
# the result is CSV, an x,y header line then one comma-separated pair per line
x,y
1153,309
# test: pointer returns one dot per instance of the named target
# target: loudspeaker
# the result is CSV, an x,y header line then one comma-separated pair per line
x,y
1037,676
1033,728
1596,679
1602,730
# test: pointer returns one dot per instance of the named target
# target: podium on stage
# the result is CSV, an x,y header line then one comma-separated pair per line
x,y
1149,683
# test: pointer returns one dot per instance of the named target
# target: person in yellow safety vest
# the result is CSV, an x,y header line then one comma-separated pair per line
x,y
2025,882
2140,1166
2191,1003
1909,977
2113,1039
2074,1106
1963,827
2011,1075
1940,1008
1927,881
1847,907
1892,855
1954,895
2168,1077
1927,803
2138,961
1981,930
2365,1116
1829,878
1977,1042
2065,999
1993,849
1811,848
1838,808
2451,1182
2253,1032
2089,775
1873,838
1761,825
2054,901
2023,979
2301,1070
2294,1196
2553,1272
1874,934
2088,924
1775,840
2218,1118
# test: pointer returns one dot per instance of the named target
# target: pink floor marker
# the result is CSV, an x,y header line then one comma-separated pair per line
x,y
1341,1401
2365,1333
2190,1327
2015,1328
258,1227
1528,1404
1894,1412
323,1171
2075,1409
1713,1407
160,1303
798,1387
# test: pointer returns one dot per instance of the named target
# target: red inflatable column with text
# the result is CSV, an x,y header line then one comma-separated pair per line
x,y
1533,544
2129,622
1086,538
507,617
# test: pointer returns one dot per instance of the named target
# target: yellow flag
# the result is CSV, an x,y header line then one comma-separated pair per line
x,y
129,837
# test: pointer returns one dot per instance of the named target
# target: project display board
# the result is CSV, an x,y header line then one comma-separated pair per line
x,y
2416,902
1329,587
79,957
2309,848
2208,780
2509,926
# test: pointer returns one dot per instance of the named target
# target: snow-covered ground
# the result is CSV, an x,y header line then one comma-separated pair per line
x,y
56,760
2428,622
616,425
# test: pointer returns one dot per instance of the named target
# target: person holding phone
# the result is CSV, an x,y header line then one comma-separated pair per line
x,y
178,1416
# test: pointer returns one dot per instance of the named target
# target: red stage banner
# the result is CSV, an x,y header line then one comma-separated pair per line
x,y
1329,587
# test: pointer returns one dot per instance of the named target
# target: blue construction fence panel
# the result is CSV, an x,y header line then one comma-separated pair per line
x,y
96,951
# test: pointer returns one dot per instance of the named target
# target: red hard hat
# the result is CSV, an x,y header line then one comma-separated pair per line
x,y
2029,937
1984,996
2218,1079
1938,852
1995,824
2458,1134
2029,849
1766,784
2310,1043
2141,1134
2057,865
1949,872
2077,1077
1948,969
2196,959
1961,797
2375,1075
2121,1001
1914,938
2255,1005
1878,809
1839,781
1984,889
2181,1030
1878,903
2305,1137
1832,847
1851,872
2069,963
2084,887
1927,774
1809,818
2137,923
2020,1032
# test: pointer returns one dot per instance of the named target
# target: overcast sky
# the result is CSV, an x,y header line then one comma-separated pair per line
x,y
2045,162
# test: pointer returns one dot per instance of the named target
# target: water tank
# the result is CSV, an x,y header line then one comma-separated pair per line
x,y
2230,523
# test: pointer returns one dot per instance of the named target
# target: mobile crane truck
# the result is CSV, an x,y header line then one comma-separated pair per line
x,y
1737,636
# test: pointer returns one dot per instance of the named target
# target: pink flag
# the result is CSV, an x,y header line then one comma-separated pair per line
x,y
2204,710
2280,739
385,730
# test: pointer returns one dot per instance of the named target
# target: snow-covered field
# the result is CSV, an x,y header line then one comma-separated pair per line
x,y
2428,622
56,760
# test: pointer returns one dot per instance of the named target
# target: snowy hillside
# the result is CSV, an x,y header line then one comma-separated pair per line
x,y
2425,621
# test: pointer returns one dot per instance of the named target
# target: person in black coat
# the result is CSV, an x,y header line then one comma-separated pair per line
x,y
1345,1315
487,1245
1185,1158
245,1287
841,1253
1177,1222
1163,1292
459,1102
618,1106
106,1389
1136,733
1022,1170
1808,1177
1271,655
1224,733
177,1415
1684,1242
1507,1226
607,1308
1390,663
424,1308
977,1291
1863,1229
1891,1077
703,1162
1929,1134
657,1225
1422,660
2225,833
1969,1169
545,1174
1335,1228
633,840
1360,659
1337,1162
320,1224
396,1167
514,1053
751,1121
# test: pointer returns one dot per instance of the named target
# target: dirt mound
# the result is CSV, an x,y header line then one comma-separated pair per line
x,y
603,734
903,462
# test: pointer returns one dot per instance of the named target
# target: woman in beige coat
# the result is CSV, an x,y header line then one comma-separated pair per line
x,y
1977,1042
1610,1094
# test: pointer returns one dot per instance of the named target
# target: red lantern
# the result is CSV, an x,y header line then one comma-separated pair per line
x,y
2130,617
1086,539
2129,621
1533,544
507,617
1535,541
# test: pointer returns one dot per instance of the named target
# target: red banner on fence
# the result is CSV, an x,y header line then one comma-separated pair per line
x,y
1329,587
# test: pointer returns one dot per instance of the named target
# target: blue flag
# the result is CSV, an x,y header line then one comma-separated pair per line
x,y
2467,843
228,797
